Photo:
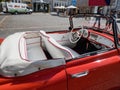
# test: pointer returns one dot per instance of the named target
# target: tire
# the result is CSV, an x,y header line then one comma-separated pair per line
x,y
15,12
30,12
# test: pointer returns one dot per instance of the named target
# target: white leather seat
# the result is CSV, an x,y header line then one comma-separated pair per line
x,y
55,49
33,47
35,52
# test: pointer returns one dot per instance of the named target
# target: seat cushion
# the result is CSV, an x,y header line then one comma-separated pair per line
x,y
35,52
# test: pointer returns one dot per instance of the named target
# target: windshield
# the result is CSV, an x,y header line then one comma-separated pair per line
x,y
96,22
103,24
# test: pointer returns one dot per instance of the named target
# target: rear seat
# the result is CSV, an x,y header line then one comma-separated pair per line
x,y
21,56
34,49
35,52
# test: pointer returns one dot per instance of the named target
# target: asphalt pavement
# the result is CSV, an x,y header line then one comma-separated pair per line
x,y
37,21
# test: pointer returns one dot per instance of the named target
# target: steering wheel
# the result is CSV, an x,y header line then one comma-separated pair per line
x,y
75,36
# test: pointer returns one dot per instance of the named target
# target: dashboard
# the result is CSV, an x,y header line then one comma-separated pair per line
x,y
97,38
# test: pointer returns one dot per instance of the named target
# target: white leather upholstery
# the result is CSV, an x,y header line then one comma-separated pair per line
x,y
35,52
33,45
15,52
55,49
75,54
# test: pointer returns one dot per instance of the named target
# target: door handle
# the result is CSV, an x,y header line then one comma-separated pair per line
x,y
81,74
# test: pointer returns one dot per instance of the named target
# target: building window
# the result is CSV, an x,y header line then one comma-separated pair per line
x,y
59,4
27,2
55,4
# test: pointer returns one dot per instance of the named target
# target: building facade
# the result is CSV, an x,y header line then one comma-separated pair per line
x,y
48,5
54,3
40,6
61,3
28,2
83,8
81,4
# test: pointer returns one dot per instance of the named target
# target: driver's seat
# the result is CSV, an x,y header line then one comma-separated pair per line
x,y
55,49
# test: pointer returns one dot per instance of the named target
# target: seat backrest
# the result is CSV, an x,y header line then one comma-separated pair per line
x,y
54,48
30,47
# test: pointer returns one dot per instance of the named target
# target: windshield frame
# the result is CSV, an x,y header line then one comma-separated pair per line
x,y
115,28
115,31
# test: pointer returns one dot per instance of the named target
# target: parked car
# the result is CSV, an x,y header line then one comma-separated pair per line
x,y
16,8
82,58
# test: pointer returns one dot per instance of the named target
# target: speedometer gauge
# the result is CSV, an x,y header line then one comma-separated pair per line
x,y
85,33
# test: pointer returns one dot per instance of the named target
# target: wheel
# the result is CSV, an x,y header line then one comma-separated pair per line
x,y
15,12
75,36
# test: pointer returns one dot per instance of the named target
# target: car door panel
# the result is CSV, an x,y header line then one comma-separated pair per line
x,y
99,74
49,79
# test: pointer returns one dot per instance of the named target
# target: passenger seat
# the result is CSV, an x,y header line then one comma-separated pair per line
x,y
55,49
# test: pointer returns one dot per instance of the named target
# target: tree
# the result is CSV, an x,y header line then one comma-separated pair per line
x,y
1,0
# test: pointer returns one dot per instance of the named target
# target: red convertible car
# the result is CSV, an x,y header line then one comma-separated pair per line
x,y
82,58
